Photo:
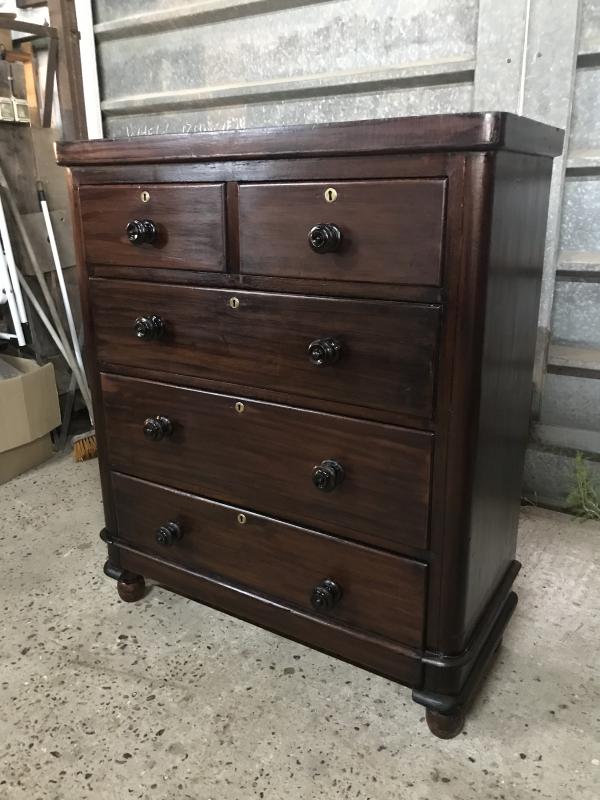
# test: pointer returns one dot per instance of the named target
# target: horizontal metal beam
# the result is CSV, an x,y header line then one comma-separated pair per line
x,y
581,362
578,265
200,13
459,70
584,161
585,441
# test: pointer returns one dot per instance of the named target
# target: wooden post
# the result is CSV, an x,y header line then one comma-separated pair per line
x,y
70,84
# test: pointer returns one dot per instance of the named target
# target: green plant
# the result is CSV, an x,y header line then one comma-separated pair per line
x,y
584,499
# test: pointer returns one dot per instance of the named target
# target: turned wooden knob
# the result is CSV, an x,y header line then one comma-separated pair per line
x,y
324,352
141,231
149,328
325,595
325,238
156,428
168,534
328,475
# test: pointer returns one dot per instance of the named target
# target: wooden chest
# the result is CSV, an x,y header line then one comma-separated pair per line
x,y
311,351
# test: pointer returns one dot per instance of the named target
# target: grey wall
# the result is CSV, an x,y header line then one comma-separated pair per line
x,y
190,66
245,64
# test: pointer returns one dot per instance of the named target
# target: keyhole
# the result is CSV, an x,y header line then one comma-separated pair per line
x,y
330,195
145,196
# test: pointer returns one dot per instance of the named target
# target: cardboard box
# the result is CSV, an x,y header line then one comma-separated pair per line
x,y
29,410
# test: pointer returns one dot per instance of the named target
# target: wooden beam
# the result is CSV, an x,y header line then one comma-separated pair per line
x,y
70,84
31,84
11,23
31,3
49,90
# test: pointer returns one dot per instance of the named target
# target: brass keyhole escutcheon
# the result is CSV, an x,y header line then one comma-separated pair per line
x,y
145,196
240,407
241,518
234,302
330,195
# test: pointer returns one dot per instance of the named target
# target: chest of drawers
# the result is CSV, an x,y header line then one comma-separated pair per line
x,y
310,351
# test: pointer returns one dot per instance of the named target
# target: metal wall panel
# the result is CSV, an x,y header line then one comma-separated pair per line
x,y
580,229
585,132
355,105
576,319
230,64
568,421
570,402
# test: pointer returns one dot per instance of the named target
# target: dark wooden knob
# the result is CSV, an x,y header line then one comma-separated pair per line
x,y
149,328
323,352
327,475
325,238
141,231
325,595
168,534
156,428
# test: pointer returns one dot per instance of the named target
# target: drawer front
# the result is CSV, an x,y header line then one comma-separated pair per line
x,y
263,456
189,224
376,354
391,231
378,592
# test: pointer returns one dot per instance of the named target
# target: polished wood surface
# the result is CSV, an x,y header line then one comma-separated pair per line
x,y
398,449
381,593
190,220
256,339
391,230
511,301
487,378
263,459
490,130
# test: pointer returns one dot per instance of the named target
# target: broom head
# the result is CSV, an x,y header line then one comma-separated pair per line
x,y
84,446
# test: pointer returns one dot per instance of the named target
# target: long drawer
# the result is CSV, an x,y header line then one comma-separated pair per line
x,y
372,354
185,222
371,231
362,480
346,582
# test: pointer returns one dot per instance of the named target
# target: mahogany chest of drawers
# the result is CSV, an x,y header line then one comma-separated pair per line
x,y
311,351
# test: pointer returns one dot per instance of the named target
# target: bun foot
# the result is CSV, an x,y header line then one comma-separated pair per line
x,y
132,591
445,726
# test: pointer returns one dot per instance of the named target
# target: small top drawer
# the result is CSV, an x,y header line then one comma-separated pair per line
x,y
376,231
179,226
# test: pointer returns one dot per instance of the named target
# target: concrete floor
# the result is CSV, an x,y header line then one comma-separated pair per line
x,y
167,699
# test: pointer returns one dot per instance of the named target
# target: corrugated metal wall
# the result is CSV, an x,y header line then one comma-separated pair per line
x,y
246,64
217,64
569,412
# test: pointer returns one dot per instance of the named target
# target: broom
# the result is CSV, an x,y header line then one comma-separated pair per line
x,y
85,446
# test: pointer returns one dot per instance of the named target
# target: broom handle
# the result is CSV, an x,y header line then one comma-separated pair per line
x,y
59,274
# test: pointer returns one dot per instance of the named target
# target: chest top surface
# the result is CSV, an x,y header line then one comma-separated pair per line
x,y
472,131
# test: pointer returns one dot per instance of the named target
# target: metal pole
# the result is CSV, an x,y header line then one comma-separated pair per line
x,y
7,287
34,263
10,260
60,276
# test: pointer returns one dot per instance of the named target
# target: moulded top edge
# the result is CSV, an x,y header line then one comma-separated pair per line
x,y
496,130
